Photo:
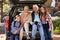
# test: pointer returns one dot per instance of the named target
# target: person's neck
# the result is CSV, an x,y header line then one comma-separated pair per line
x,y
17,20
26,13
36,12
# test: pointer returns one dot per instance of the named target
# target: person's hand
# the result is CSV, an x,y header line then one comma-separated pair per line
x,y
24,21
22,24
16,32
49,29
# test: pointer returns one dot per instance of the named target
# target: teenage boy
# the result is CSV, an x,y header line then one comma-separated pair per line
x,y
15,28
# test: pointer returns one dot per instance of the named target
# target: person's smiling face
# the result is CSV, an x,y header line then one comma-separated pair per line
x,y
35,8
26,9
42,10
18,17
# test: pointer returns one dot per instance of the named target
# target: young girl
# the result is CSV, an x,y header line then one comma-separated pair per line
x,y
46,22
15,28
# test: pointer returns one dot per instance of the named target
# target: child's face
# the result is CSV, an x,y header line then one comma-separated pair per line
x,y
42,9
18,18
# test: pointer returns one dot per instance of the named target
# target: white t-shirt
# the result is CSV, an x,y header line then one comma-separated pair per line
x,y
53,3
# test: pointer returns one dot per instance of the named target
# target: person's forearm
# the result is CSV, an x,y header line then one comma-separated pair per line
x,y
50,24
29,19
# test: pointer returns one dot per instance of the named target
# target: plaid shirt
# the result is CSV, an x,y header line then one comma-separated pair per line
x,y
48,19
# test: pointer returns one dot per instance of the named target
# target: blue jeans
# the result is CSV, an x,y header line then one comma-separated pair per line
x,y
40,28
14,37
47,33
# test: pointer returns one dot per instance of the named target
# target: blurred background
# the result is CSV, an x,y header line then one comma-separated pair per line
x,y
52,6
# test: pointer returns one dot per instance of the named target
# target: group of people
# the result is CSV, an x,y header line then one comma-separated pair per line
x,y
39,19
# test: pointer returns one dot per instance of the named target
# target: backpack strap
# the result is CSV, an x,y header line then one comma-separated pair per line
x,y
14,23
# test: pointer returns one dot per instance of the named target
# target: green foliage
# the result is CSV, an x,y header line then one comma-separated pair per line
x,y
56,24
6,6
57,30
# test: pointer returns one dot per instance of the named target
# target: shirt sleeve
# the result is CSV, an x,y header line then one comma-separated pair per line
x,y
31,21
28,20
13,29
50,21
49,16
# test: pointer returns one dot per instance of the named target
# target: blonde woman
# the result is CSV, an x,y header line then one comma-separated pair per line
x,y
25,19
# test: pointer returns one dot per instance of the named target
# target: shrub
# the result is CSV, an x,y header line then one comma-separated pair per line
x,y
56,24
57,30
